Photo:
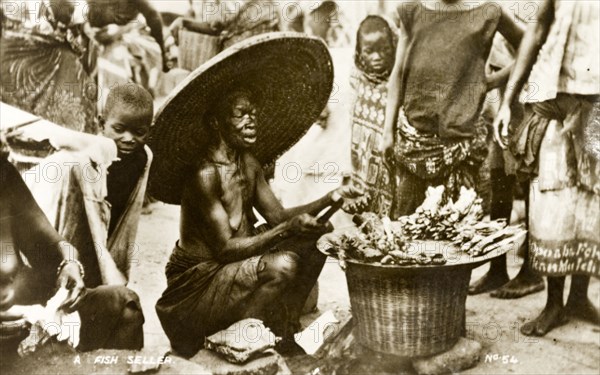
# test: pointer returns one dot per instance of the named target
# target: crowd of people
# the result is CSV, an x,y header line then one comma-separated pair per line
x,y
422,116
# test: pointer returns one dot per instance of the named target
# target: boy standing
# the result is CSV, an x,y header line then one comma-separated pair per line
x,y
97,201
503,182
127,118
436,93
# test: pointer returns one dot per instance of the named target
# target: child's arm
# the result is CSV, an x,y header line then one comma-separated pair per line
x,y
394,88
534,38
154,22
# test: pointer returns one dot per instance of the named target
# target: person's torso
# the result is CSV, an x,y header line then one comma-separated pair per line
x,y
569,59
237,187
9,206
444,81
6,206
122,180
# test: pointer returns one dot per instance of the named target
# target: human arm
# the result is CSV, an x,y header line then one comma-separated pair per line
x,y
272,210
205,188
533,39
394,101
100,149
35,237
154,22
499,78
513,34
511,31
190,24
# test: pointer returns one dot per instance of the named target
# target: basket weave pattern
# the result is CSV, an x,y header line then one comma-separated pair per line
x,y
196,48
291,73
410,314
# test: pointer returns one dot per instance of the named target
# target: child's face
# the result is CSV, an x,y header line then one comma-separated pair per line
x,y
376,51
129,129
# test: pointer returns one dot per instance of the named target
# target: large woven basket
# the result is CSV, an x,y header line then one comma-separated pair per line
x,y
196,48
408,311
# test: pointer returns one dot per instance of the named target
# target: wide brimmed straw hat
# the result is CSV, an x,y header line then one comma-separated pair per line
x,y
291,73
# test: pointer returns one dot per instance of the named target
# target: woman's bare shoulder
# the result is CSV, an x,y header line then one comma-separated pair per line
x,y
251,161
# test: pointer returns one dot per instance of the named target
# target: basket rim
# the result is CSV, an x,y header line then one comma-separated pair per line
x,y
465,259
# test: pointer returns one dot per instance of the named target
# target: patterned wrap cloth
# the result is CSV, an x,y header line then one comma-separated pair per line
x,y
204,296
368,170
45,71
425,159
369,173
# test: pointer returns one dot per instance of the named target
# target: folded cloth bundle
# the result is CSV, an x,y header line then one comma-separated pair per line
x,y
242,340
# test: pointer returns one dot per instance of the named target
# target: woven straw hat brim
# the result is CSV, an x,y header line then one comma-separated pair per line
x,y
290,72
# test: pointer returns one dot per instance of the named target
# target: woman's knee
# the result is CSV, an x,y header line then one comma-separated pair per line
x,y
279,267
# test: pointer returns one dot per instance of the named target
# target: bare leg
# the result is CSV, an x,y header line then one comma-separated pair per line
x,y
275,273
579,305
147,205
553,314
311,263
493,279
526,282
310,266
501,208
286,278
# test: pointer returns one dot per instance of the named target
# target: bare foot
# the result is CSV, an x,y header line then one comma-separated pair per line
x,y
549,318
488,282
520,286
585,311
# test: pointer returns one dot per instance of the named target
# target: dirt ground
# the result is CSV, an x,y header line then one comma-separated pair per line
x,y
305,173
570,349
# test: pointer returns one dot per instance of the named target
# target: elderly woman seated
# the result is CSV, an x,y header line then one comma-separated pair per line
x,y
92,188
225,267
